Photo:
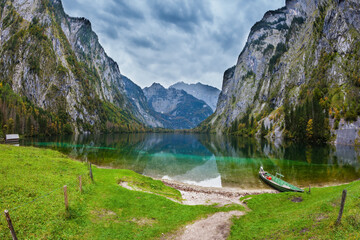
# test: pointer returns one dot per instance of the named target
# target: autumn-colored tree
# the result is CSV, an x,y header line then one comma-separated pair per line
x,y
309,129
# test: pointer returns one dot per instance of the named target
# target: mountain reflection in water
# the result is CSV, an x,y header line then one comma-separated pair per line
x,y
211,160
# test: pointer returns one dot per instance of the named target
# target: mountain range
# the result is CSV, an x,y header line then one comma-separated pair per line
x,y
62,75
56,77
297,77
207,93
176,108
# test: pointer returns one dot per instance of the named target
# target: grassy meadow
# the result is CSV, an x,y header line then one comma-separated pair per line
x,y
301,215
104,210
31,187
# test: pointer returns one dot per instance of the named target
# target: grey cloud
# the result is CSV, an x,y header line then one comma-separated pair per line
x,y
186,15
174,40
227,39
142,42
124,9
109,32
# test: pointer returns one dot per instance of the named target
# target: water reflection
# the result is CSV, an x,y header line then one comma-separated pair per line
x,y
205,175
211,160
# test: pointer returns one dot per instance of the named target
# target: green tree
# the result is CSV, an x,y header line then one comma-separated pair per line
x,y
251,122
42,125
28,127
263,130
67,129
17,124
10,125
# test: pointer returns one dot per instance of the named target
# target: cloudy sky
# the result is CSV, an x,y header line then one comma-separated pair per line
x,y
168,41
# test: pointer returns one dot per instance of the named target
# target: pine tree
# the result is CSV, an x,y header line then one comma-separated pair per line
x,y
263,131
17,123
28,126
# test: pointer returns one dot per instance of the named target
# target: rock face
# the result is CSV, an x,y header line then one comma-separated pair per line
x,y
56,62
348,133
292,50
141,108
203,92
176,109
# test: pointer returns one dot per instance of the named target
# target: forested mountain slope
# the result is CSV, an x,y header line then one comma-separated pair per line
x,y
298,75
56,77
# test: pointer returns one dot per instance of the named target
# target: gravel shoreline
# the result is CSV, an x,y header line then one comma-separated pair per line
x,y
197,195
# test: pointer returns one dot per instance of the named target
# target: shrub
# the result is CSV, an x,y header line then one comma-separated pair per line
x,y
34,64
67,129
269,49
280,50
350,116
282,26
260,25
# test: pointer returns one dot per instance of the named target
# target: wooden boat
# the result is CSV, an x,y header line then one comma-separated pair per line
x,y
277,182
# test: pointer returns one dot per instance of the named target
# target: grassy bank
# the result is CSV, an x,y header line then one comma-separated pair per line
x,y
31,182
301,216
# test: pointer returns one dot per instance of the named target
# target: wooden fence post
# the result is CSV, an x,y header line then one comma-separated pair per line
x,y
80,184
338,221
11,228
91,174
66,198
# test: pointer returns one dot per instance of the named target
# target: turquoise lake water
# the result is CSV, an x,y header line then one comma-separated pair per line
x,y
211,160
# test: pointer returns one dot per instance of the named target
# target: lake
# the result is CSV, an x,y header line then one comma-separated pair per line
x,y
211,160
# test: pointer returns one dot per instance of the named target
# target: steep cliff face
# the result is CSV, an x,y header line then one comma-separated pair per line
x,y
176,109
141,108
200,91
56,62
305,45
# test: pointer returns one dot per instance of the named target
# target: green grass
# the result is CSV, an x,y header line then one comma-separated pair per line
x,y
275,216
107,211
147,184
103,211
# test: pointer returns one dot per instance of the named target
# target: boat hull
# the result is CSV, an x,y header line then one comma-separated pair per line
x,y
276,186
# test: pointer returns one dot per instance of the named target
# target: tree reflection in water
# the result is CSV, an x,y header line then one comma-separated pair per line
x,y
211,160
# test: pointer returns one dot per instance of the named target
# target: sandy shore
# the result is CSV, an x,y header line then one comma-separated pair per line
x,y
196,195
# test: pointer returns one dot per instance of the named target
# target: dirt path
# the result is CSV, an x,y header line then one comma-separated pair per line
x,y
216,226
